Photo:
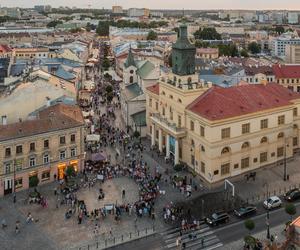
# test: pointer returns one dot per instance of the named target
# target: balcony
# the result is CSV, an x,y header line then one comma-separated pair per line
x,y
168,126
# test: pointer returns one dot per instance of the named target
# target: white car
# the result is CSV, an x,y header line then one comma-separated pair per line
x,y
272,202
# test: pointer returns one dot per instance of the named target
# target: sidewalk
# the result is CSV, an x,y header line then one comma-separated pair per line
x,y
276,231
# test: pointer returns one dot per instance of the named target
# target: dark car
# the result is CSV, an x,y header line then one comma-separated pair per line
x,y
245,211
292,195
217,218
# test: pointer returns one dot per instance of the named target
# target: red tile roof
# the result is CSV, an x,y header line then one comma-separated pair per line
x,y
154,89
4,48
220,103
286,71
267,70
53,118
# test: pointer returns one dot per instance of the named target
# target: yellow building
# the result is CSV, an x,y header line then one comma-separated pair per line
x,y
288,76
30,53
220,132
42,147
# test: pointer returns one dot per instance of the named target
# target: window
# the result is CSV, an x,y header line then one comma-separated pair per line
x,y
31,161
202,131
263,157
7,169
280,152
225,133
46,175
179,100
216,172
192,126
245,145
163,111
46,158
295,141
264,140
150,102
264,123
156,105
225,169
171,114
280,135
225,150
32,146
19,149
46,143
179,121
7,152
235,166
18,182
73,152
246,128
295,111
73,138
18,164
62,155
202,148
62,140
171,97
202,167
280,119
245,163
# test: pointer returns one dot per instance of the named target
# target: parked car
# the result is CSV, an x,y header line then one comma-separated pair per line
x,y
272,202
292,195
245,211
217,218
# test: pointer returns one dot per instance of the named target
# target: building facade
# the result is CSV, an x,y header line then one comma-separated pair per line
x,y
41,148
222,132
292,54
288,76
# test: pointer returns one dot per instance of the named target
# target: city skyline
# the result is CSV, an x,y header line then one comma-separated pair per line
x,y
190,4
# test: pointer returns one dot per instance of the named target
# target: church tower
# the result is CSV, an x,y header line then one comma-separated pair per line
x,y
183,54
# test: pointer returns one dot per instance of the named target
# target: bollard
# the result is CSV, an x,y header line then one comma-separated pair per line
x,y
146,231
138,233
97,244
247,201
130,235
122,237
105,242
88,247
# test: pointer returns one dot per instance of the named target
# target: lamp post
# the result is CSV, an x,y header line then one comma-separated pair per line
x,y
284,160
268,213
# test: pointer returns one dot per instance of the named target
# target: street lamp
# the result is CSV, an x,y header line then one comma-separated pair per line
x,y
284,160
268,212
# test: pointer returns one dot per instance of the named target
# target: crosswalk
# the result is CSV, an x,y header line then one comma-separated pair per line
x,y
204,239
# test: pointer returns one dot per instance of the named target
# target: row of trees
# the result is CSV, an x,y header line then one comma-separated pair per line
x,y
207,34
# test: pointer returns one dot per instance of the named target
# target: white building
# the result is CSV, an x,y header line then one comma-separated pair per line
x,y
279,44
293,17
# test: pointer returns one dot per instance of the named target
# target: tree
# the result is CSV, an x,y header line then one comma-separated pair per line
x,y
228,50
249,224
105,64
244,53
279,30
70,171
33,181
290,209
254,47
152,35
109,89
53,24
207,34
201,44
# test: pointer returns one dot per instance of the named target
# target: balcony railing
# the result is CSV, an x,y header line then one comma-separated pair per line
x,y
165,123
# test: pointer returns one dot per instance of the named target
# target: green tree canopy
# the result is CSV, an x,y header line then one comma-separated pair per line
x,y
279,29
33,181
105,64
228,50
54,23
290,209
70,171
201,44
249,224
254,47
152,35
207,34
244,53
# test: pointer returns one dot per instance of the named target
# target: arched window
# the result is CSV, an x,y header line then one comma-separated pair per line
x,y
171,97
179,100
163,93
280,135
225,150
264,140
202,148
189,80
295,126
131,79
192,143
245,145
131,71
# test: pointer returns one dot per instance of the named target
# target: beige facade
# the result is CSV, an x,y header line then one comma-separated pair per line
x,y
44,152
219,148
28,53
292,54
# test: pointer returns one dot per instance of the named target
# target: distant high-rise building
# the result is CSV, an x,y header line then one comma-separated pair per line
x,y
279,45
293,17
135,12
43,8
117,9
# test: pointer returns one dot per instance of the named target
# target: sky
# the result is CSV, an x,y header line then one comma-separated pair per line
x,y
162,4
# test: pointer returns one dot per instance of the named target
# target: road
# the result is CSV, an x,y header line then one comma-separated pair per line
x,y
226,233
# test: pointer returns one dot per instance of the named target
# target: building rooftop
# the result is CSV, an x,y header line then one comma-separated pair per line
x,y
267,70
286,71
154,89
57,117
221,103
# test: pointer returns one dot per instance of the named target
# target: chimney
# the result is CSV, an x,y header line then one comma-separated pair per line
x,y
4,120
48,101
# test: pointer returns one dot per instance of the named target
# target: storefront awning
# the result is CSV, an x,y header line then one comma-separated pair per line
x,y
93,137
